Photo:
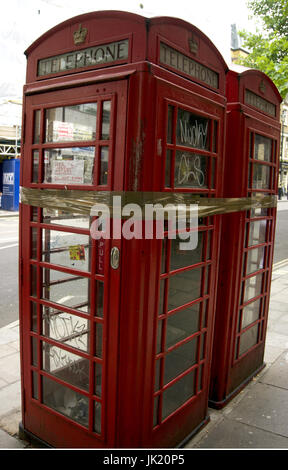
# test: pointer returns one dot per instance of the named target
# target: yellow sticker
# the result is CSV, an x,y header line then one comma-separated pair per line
x,y
77,252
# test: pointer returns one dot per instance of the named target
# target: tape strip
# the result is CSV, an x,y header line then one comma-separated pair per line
x,y
82,202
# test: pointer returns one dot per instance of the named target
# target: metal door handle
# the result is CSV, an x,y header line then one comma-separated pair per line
x,y
115,257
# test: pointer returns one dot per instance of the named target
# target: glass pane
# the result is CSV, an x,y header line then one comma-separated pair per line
x,y
182,324
59,217
257,232
71,123
215,137
106,112
100,298
251,313
97,417
170,124
98,379
103,173
248,339
191,170
34,351
33,280
99,339
183,258
35,168
69,165
37,120
180,359
161,297
262,148
192,130
66,249
66,328
178,394
168,169
261,176
65,289
65,401
66,366
184,287
35,385
34,233
253,287
33,317
255,260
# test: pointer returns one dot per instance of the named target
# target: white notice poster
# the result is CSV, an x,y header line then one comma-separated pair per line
x,y
67,172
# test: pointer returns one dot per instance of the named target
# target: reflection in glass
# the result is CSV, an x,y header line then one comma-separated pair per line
x,y
99,339
257,232
103,173
248,339
65,401
66,249
253,287
97,417
98,379
262,148
180,359
65,289
35,168
71,219
191,170
37,121
100,298
168,168
182,324
170,124
106,115
66,366
178,394
192,130
184,287
71,123
255,260
183,258
250,313
261,176
69,165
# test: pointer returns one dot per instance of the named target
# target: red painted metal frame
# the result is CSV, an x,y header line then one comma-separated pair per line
x,y
231,370
141,89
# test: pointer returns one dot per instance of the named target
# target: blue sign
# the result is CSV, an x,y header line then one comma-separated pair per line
x,y
10,189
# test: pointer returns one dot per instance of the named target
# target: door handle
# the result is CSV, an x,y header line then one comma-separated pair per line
x,y
115,257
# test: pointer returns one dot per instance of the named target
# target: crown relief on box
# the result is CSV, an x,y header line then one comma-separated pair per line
x,y
80,35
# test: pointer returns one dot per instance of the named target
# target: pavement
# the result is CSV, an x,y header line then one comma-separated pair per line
x,y
257,418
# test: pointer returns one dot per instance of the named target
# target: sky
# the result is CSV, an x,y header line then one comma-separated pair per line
x,y
23,21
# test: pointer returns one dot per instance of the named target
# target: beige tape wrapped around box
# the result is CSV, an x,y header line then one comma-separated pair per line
x,y
82,202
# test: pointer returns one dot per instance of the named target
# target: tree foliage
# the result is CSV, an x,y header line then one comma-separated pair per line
x,y
268,47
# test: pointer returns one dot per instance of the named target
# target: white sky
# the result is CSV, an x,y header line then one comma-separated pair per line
x,y
23,21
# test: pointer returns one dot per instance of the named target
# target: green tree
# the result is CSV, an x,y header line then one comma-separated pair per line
x,y
268,47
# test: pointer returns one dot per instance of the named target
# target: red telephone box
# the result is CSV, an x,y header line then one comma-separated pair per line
x,y
247,237
117,333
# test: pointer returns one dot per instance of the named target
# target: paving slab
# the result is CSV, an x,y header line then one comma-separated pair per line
x,y
9,442
265,407
277,374
230,434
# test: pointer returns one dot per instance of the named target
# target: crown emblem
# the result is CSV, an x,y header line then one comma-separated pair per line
x,y
262,87
80,35
193,45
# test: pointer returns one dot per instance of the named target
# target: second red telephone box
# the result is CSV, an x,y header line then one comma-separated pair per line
x,y
247,237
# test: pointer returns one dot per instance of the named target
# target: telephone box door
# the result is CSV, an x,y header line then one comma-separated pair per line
x,y
74,141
